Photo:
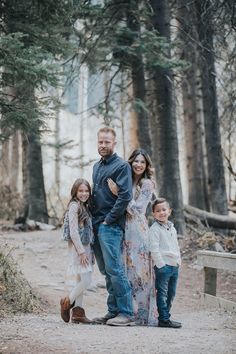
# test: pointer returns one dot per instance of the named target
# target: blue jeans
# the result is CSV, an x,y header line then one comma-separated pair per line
x,y
165,283
108,248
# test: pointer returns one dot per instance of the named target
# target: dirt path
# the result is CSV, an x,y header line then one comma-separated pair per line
x,y
42,259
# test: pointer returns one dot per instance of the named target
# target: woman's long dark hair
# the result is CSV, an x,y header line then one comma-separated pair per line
x,y
148,173
83,211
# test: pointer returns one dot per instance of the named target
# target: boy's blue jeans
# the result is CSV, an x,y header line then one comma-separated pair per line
x,y
108,249
165,283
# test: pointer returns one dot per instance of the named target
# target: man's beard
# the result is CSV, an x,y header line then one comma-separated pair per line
x,y
105,152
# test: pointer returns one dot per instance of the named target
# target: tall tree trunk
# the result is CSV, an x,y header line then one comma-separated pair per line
x,y
10,161
33,180
164,125
192,115
9,158
217,188
57,176
34,191
5,165
35,206
15,161
138,80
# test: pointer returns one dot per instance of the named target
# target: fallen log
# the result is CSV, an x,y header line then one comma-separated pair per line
x,y
211,219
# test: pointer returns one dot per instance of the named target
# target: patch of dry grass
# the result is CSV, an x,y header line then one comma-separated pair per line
x,y
16,294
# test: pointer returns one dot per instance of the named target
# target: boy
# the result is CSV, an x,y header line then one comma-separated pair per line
x,y
165,253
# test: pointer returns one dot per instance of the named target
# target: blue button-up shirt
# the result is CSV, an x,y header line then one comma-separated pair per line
x,y
105,205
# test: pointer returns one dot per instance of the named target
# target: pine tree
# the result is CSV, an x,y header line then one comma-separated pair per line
x,y
33,44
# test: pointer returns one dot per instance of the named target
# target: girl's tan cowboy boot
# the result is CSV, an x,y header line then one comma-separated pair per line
x,y
78,316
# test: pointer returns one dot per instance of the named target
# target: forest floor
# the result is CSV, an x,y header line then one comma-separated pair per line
x,y
42,258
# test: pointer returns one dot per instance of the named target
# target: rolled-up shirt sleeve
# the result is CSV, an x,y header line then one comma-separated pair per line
x,y
124,183
74,229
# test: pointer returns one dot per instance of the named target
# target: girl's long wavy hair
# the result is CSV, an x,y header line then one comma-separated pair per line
x,y
149,171
84,209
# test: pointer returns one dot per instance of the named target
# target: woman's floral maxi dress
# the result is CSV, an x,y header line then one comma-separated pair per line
x,y
137,255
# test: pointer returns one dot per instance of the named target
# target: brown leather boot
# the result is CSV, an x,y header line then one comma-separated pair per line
x,y
78,316
65,308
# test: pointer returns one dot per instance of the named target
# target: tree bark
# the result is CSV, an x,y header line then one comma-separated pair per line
x,y
34,191
5,162
164,125
216,178
138,81
34,195
15,161
187,34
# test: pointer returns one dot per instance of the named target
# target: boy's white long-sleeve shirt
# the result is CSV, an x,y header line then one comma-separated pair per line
x,y
163,244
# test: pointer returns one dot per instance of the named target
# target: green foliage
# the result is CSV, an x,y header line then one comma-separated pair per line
x,y
25,69
139,106
38,36
106,37
33,43
106,111
116,36
26,65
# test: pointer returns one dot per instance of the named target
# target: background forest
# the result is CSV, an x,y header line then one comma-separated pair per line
x,y
174,63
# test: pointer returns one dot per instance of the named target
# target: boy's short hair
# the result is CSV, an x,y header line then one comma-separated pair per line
x,y
159,201
107,130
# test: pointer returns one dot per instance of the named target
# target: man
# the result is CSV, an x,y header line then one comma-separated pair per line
x,y
108,213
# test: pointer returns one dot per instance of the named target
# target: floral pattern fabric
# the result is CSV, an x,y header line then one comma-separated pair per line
x,y
137,255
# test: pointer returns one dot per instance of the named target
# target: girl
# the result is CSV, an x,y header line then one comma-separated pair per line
x,y
137,256
79,272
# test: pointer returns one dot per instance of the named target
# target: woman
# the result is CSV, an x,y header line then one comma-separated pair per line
x,y
137,256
